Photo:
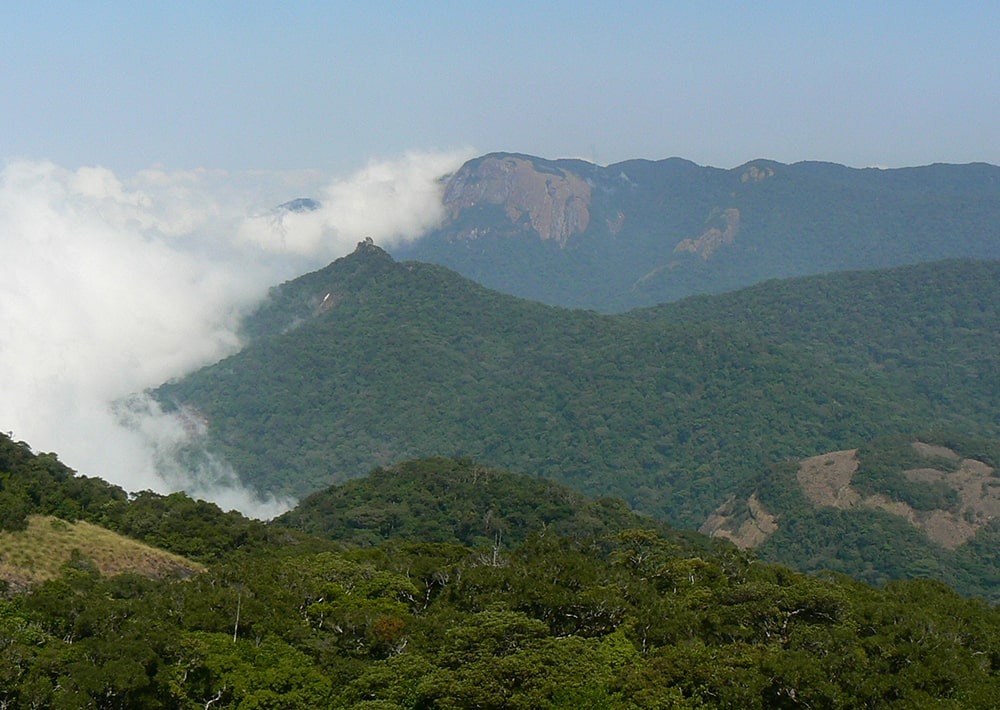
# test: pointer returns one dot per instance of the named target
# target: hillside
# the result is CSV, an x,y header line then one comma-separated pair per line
x,y
929,329
37,553
893,508
613,617
403,360
638,233
462,503
370,361
676,409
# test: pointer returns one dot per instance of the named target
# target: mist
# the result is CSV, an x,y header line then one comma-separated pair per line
x,y
115,284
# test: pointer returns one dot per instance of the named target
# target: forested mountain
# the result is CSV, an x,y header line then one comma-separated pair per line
x,y
398,360
638,233
591,614
679,409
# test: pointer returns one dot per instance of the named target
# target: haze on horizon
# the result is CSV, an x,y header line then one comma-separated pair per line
x,y
143,148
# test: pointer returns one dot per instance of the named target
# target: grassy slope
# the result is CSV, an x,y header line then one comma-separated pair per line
x,y
39,552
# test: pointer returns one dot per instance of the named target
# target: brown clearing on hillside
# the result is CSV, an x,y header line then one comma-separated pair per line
x,y
38,553
749,529
826,481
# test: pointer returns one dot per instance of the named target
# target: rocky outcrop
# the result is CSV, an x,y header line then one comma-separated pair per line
x,y
745,525
553,202
722,231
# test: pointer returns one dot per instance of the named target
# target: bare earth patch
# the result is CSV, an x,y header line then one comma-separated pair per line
x,y
745,528
826,481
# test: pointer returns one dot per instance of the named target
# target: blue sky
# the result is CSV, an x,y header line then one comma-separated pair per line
x,y
328,85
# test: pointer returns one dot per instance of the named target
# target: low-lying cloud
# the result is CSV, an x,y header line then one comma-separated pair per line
x,y
390,201
113,285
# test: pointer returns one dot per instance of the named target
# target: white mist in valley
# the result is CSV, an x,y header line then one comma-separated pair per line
x,y
112,285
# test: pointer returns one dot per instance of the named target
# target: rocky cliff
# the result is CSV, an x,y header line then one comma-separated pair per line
x,y
554,203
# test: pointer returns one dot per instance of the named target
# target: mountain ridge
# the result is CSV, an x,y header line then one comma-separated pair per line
x,y
570,233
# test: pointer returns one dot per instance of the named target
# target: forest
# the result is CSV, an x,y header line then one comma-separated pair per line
x,y
674,409
506,596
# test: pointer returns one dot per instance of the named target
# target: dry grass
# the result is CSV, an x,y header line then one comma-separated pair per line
x,y
37,553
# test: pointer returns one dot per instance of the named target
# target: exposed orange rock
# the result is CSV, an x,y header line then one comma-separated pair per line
x,y
744,527
826,481
555,203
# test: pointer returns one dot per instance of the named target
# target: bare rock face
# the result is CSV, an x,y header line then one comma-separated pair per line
x,y
714,236
826,481
554,202
746,524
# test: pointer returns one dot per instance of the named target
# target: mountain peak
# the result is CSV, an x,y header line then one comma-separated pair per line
x,y
367,245
299,204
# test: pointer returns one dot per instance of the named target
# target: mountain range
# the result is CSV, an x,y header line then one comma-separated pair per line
x,y
638,233
511,503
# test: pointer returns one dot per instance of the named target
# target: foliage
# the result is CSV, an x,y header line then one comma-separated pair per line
x,y
455,501
875,546
412,361
633,621
569,612
674,409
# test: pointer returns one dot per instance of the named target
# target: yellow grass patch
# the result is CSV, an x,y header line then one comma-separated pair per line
x,y
37,553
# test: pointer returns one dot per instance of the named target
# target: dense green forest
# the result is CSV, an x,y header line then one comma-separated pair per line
x,y
576,604
673,409
930,330
406,360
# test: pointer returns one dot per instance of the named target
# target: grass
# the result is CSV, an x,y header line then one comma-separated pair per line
x,y
38,553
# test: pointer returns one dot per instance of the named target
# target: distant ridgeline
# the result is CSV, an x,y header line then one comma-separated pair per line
x,y
680,409
638,233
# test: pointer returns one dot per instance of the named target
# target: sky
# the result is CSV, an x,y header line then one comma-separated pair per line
x,y
330,85
144,146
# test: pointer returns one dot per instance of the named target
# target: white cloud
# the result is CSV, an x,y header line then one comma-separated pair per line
x,y
110,286
390,201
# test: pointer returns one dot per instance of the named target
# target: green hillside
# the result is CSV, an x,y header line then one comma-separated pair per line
x,y
592,615
371,361
459,502
930,330
676,409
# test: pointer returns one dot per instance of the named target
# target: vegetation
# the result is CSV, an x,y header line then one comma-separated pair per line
x,y
38,552
875,546
592,615
673,409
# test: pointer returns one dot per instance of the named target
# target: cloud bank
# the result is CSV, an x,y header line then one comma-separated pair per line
x,y
114,285
390,201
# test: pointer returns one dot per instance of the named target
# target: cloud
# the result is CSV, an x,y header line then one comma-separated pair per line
x,y
391,201
114,285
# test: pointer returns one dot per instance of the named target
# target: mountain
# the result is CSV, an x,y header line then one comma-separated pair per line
x,y
678,409
370,361
638,233
594,615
